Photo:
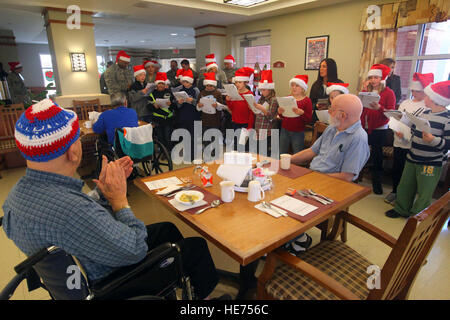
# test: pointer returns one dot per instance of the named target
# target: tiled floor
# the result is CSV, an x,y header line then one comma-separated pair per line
x,y
431,283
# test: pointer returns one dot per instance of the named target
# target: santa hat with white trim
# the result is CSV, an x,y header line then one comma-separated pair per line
x,y
342,87
439,93
229,59
14,65
211,65
301,80
421,80
266,81
45,131
179,74
188,76
210,58
379,70
210,78
138,70
161,77
122,55
243,74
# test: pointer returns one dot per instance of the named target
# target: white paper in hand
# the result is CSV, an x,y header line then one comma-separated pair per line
x,y
162,103
208,102
421,124
368,97
323,116
251,103
232,92
288,104
399,126
181,95
397,114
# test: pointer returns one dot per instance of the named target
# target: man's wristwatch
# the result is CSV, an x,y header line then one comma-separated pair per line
x,y
123,207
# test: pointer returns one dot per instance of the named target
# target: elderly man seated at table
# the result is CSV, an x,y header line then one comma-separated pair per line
x,y
47,206
342,150
116,118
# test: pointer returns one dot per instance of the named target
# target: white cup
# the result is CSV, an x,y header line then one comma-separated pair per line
x,y
227,191
88,124
285,161
255,191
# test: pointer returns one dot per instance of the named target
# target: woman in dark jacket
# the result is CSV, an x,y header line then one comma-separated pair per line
x,y
327,73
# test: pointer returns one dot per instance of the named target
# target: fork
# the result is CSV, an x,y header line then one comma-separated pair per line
x,y
187,187
311,191
269,206
307,195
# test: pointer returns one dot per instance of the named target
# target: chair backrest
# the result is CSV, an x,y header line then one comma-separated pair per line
x,y
83,107
138,146
319,128
409,253
8,119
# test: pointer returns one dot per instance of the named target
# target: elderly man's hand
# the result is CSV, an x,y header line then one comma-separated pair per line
x,y
113,184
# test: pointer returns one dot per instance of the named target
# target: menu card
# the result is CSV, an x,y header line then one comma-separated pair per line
x,y
163,183
293,205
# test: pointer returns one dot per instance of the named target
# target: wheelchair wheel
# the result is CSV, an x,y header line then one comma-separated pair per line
x,y
161,159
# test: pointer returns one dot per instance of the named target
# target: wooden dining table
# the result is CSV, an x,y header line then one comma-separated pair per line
x,y
246,233
84,131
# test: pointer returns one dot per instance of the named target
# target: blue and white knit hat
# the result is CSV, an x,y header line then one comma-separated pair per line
x,y
45,131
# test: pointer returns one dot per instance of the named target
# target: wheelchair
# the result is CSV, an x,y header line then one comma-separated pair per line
x,y
155,161
157,277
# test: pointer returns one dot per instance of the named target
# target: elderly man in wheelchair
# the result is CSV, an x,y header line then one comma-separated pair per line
x,y
120,257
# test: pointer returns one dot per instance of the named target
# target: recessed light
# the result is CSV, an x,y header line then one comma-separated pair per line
x,y
142,41
174,34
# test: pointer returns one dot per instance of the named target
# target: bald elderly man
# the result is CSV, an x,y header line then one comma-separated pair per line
x,y
342,150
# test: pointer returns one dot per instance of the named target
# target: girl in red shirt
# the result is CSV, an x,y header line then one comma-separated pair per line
x,y
375,122
293,129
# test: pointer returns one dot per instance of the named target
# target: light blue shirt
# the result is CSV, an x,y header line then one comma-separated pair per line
x,y
345,151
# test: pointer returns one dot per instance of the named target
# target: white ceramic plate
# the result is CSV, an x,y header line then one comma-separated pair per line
x,y
191,193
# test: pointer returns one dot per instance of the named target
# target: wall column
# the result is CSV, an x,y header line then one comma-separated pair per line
x,y
8,48
210,39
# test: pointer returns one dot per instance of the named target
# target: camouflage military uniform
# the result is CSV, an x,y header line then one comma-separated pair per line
x,y
118,79
17,89
150,79
229,73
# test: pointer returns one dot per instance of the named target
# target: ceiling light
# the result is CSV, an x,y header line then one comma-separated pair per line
x,y
174,34
244,3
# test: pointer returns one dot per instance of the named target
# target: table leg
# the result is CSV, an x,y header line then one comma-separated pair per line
x,y
244,281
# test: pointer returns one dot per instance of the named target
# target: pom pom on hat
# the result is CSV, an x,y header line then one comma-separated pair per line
x,y
122,55
301,80
45,131
229,59
210,78
342,87
138,70
421,80
266,81
379,70
439,93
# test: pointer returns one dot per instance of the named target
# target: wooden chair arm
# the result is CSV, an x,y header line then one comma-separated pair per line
x,y
370,229
317,275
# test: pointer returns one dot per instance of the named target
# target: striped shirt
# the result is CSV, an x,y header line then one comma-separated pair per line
x,y
435,152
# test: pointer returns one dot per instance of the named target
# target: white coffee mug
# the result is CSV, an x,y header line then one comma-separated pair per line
x,y
285,161
227,191
255,191
88,124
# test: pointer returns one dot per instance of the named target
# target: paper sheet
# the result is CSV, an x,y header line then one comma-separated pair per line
x,y
394,113
233,172
399,126
163,183
368,97
232,92
288,104
162,103
181,95
150,86
207,105
421,124
221,107
251,103
294,205
323,116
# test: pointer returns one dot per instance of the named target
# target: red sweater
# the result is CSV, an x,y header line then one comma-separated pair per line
x,y
376,118
241,112
297,124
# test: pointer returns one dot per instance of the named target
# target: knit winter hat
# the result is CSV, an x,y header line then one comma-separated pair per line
x,y
229,59
161,77
45,131
379,70
439,93
138,70
122,55
421,80
188,76
210,78
266,81
301,80
342,87
243,74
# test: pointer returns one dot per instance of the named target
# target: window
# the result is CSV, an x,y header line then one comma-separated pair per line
x,y
101,65
47,72
258,54
423,48
165,63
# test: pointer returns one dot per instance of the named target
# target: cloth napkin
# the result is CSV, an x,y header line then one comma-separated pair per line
x,y
273,213
235,173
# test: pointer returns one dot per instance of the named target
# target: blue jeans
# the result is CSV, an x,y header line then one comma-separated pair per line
x,y
292,139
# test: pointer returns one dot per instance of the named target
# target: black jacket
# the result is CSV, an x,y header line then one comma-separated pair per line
x,y
393,82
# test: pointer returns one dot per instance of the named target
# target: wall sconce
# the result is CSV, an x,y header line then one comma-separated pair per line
x,y
78,62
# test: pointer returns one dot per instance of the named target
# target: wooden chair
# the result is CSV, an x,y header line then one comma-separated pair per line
x,y
319,128
83,107
8,118
332,270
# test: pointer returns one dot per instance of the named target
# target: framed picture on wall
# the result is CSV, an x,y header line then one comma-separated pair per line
x,y
316,50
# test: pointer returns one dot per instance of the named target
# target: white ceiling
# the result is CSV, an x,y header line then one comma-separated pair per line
x,y
143,23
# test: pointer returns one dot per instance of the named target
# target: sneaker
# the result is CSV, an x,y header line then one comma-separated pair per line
x,y
392,214
390,198
300,244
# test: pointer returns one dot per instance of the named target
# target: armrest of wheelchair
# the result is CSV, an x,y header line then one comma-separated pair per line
x,y
121,276
28,263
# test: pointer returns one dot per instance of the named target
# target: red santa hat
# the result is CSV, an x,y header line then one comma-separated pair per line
x,y
161,77
301,80
179,73
243,74
266,81
342,87
210,78
14,65
211,65
421,80
122,55
229,59
153,63
379,70
210,58
439,93
188,76
138,70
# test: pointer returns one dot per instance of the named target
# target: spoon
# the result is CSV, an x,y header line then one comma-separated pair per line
x,y
213,204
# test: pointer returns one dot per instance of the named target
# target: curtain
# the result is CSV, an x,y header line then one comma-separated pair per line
x,y
414,12
377,44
